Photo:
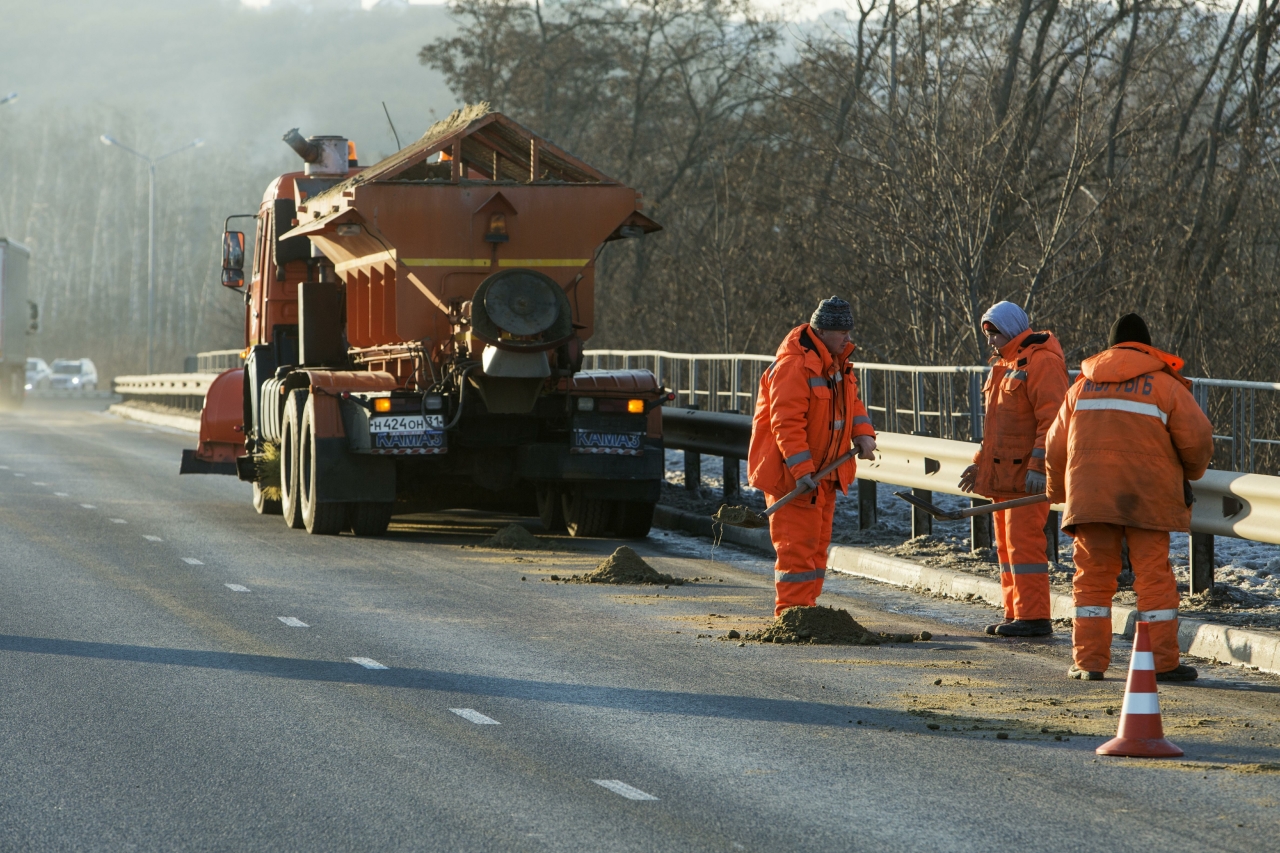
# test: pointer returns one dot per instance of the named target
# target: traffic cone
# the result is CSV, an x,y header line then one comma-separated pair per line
x,y
1141,733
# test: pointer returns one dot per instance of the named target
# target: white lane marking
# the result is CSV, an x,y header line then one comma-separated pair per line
x,y
368,663
118,521
18,474
475,716
88,506
293,622
39,484
152,538
622,789
62,494
235,587
192,561
4,467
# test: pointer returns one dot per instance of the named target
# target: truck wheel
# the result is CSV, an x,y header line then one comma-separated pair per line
x,y
585,516
634,518
550,509
265,505
290,505
320,519
369,518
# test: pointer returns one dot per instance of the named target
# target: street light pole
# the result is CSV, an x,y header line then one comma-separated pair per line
x,y
151,230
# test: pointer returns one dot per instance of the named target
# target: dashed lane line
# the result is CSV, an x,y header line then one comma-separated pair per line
x,y
19,474
62,494
192,561
368,663
235,587
88,506
475,716
118,521
622,789
152,538
293,622
39,484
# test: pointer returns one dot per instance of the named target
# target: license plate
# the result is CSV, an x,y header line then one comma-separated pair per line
x,y
406,423
607,443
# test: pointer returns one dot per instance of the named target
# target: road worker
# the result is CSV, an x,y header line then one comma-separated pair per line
x,y
1121,453
808,414
1027,384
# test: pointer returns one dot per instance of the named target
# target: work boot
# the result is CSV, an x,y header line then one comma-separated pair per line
x,y
1181,672
991,629
1083,674
1025,628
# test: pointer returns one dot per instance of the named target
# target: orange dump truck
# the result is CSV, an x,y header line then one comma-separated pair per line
x,y
414,335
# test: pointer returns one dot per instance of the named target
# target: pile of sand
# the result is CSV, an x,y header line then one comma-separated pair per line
x,y
821,625
513,537
625,566
739,516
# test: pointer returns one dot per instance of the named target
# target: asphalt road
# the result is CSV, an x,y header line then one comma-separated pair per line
x,y
182,674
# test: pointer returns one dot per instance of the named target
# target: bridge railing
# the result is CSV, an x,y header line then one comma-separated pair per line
x,y
175,390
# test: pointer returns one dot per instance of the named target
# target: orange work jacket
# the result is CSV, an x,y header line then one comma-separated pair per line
x,y
1023,393
807,413
1127,440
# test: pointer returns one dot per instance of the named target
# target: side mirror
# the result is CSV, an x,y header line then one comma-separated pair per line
x,y
233,259
33,318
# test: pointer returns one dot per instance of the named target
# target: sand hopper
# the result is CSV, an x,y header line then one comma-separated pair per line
x,y
741,516
947,515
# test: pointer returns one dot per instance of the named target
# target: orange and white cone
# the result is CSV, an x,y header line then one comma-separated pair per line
x,y
1141,732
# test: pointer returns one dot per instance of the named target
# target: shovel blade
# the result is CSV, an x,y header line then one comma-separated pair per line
x,y
922,504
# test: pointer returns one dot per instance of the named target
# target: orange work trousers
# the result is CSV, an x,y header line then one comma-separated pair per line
x,y
801,532
1024,566
1097,574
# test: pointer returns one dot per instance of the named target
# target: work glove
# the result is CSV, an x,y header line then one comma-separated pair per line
x,y
1035,483
866,445
969,478
806,482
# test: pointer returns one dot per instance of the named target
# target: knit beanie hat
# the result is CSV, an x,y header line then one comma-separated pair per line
x,y
1129,329
1009,318
832,314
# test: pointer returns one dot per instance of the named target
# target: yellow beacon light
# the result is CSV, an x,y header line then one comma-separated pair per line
x,y
635,407
382,404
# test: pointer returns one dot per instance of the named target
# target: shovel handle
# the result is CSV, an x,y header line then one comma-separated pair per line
x,y
1001,505
800,490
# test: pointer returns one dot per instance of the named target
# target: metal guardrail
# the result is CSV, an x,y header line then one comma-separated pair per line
x,y
176,390
945,401
216,361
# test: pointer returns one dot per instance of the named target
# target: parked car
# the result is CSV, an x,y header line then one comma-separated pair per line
x,y
38,374
74,374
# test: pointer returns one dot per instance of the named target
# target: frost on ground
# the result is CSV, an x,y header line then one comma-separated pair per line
x,y
1247,574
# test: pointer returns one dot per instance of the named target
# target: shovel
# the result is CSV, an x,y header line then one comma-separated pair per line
x,y
740,516
944,515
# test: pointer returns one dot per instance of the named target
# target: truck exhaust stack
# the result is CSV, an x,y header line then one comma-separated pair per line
x,y
324,155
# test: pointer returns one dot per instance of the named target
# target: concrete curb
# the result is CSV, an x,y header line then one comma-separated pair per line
x,y
146,416
1237,646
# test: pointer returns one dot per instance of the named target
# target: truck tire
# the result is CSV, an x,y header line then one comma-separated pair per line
x,y
320,519
633,519
369,518
550,509
291,506
585,516
265,505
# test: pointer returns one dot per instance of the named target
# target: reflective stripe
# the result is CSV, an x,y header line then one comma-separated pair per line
x,y
1143,660
1093,612
1115,405
798,577
1141,703
1157,615
1038,453
837,425
817,381
1004,568
862,420
1018,374
1029,569
802,456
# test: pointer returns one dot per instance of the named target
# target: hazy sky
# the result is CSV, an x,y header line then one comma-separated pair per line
x,y
798,9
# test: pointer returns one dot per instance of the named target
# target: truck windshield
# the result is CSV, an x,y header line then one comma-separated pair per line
x,y
72,369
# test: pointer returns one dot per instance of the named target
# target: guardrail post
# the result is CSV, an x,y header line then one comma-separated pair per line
x,y
980,535
732,482
692,470
921,521
1051,526
868,516
1200,558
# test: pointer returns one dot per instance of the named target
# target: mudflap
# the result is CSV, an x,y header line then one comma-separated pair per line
x,y
221,428
342,477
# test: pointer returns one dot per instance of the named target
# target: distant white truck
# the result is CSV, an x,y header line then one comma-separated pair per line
x,y
18,318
